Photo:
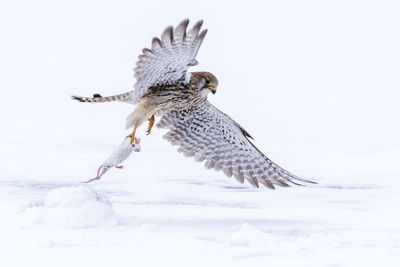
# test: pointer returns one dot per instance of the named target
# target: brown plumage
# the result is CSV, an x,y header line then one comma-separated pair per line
x,y
176,89
177,95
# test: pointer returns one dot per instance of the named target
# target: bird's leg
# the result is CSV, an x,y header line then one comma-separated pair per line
x,y
151,123
132,135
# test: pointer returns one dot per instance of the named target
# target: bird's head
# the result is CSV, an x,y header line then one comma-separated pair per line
x,y
207,82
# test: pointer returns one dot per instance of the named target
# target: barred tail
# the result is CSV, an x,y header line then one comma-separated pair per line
x,y
125,97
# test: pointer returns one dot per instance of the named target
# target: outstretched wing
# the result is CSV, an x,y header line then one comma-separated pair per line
x,y
169,57
205,133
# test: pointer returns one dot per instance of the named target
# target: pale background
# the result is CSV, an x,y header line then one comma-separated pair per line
x,y
316,83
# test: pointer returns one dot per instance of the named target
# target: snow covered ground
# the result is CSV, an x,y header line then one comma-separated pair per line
x,y
315,84
189,217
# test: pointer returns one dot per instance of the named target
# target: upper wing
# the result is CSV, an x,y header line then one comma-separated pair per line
x,y
205,133
169,58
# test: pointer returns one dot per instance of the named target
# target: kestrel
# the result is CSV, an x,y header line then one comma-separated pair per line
x,y
165,87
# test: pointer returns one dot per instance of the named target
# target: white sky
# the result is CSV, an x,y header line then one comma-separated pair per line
x,y
292,72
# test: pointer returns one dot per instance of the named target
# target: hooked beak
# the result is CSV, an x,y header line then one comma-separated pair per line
x,y
212,88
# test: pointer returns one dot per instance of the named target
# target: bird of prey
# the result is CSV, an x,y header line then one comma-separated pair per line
x,y
165,87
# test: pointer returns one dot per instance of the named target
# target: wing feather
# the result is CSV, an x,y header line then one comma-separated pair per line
x,y
169,58
206,134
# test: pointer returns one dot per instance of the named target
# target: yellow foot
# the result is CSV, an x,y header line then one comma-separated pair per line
x,y
151,123
132,136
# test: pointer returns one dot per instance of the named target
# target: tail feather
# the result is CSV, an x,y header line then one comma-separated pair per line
x,y
125,97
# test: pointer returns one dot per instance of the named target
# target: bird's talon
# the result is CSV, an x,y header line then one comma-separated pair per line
x,y
151,123
132,137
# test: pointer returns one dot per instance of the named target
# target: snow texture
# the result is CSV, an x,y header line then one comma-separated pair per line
x,y
314,82
70,207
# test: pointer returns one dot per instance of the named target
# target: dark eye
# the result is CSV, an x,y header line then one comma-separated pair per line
x,y
207,81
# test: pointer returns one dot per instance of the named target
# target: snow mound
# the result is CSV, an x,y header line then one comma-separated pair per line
x,y
75,207
248,236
